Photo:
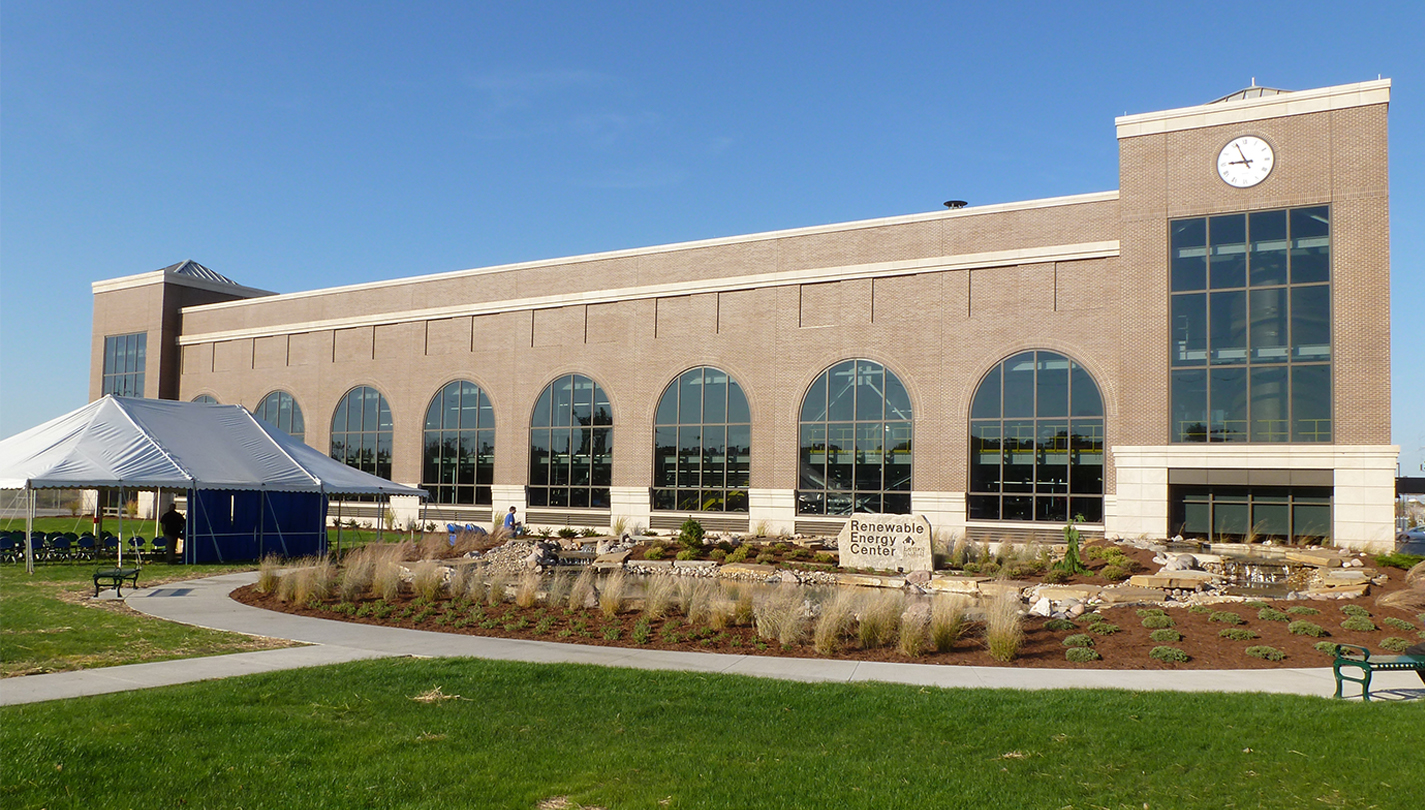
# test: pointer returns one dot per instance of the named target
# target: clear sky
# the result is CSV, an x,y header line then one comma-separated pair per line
x,y
293,146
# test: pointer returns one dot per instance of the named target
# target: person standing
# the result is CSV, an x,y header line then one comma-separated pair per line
x,y
172,523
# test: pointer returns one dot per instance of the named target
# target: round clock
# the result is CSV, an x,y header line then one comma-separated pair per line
x,y
1245,161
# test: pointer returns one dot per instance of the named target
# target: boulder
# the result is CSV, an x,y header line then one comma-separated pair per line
x,y
1042,607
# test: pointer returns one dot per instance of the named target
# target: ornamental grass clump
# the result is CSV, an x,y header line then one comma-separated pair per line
x,y
613,594
286,587
659,594
558,591
780,616
428,580
581,591
1301,627
386,582
356,577
914,637
527,591
948,621
1004,630
267,575
496,587
699,601
879,619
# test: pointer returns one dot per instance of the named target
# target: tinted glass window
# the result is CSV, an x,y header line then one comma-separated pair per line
x,y
856,449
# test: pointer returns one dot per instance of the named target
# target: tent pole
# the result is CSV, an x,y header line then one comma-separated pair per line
x,y
29,529
122,502
261,523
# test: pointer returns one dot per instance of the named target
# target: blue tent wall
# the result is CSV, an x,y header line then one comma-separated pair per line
x,y
228,525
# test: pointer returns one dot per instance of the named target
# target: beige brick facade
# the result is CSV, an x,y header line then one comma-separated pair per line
x,y
937,298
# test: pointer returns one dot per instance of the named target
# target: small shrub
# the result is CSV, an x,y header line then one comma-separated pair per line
x,y
655,552
1398,624
1004,631
1397,560
1395,644
690,533
1058,625
1054,576
1359,624
1157,622
642,632
1166,636
718,554
588,533
1255,604
1103,628
1327,647
1199,609
568,533
1144,613
740,553
1302,610
1237,634
766,558
1079,640
1355,611
1168,654
1272,615
1115,573
1301,627
1226,617
543,626
1081,655
612,633
1265,653
826,558
686,554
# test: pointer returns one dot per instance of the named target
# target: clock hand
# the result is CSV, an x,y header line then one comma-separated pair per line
x,y
1244,161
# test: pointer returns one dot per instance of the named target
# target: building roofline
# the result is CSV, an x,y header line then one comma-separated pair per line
x,y
1217,113
1050,202
169,276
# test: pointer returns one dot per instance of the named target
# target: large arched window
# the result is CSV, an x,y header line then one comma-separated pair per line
x,y
855,442
459,461
1036,441
361,431
702,432
280,410
571,445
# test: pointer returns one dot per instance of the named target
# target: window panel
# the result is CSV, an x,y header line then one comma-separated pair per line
x,y
1052,385
1311,403
1189,329
1228,391
1227,255
1269,404
1311,323
1269,247
1227,327
1019,385
1189,255
987,397
1269,325
1310,245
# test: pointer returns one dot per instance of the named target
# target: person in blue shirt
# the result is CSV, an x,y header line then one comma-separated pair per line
x,y
514,527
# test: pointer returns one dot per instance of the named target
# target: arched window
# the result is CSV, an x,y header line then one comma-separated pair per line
x,y
1036,441
206,399
281,411
855,442
361,431
571,440
702,432
459,461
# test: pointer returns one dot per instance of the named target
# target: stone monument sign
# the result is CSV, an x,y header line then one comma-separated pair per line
x,y
886,542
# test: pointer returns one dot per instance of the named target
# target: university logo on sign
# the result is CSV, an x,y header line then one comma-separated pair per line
x,y
886,542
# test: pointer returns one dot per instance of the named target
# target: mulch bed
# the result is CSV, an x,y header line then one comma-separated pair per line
x,y
1127,649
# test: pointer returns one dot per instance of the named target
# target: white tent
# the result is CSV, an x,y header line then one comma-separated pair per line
x,y
152,443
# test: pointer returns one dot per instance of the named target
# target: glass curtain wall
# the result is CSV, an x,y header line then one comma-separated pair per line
x,y
855,442
280,410
1036,442
124,359
361,431
1251,514
702,435
1251,327
571,441
459,460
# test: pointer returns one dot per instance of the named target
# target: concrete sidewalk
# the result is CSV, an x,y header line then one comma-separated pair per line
x,y
205,603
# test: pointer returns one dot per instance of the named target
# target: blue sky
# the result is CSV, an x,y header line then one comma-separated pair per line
x,y
293,146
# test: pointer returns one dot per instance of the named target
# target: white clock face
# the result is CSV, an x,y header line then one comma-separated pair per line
x,y
1245,162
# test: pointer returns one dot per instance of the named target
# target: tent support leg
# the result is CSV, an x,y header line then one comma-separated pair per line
x,y
29,530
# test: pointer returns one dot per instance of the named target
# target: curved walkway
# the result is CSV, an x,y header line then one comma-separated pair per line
x,y
205,603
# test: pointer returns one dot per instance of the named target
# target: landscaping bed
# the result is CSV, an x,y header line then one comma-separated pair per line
x,y
1281,633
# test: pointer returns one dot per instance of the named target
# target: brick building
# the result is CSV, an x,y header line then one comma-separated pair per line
x,y
1203,351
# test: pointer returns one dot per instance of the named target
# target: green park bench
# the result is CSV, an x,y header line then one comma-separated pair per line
x,y
114,578
1353,657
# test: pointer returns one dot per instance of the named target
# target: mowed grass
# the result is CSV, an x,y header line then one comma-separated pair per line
x,y
496,734
47,624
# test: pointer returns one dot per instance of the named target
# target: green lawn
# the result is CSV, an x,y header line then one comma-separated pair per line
x,y
47,624
355,736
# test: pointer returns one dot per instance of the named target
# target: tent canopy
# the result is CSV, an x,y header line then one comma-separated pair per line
x,y
146,443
